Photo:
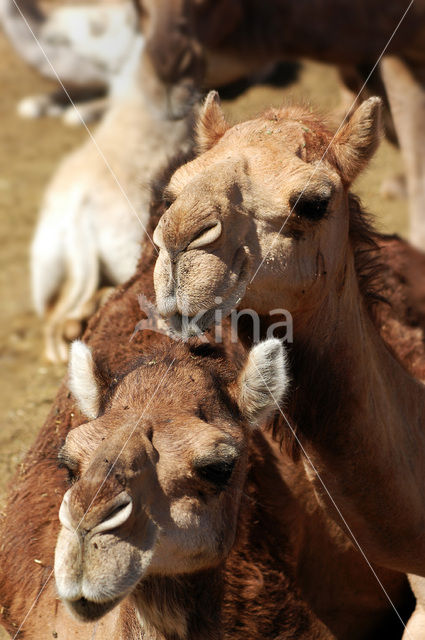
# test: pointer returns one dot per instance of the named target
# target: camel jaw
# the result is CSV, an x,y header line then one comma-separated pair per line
x,y
191,326
90,611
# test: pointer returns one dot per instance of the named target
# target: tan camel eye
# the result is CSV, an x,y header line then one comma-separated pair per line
x,y
309,207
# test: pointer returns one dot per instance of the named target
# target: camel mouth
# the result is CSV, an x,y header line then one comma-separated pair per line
x,y
189,327
90,611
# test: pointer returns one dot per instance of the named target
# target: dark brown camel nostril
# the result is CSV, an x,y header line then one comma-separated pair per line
x,y
202,237
96,518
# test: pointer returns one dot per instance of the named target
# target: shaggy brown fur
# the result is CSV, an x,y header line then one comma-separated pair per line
x,y
253,595
351,604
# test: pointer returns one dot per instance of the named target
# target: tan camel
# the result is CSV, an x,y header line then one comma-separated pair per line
x,y
228,236
96,209
208,43
349,602
90,45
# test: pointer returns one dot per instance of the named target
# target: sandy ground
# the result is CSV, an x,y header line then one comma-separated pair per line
x,y
29,152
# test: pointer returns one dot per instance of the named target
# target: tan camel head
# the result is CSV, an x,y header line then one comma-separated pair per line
x,y
157,476
229,211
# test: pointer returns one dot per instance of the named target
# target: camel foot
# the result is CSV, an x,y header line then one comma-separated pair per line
x,y
60,332
56,347
84,113
45,105
38,106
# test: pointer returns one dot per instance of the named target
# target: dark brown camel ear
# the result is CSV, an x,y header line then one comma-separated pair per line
x,y
263,381
211,124
82,380
358,139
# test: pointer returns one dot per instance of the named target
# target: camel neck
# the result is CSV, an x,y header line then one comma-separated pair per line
x,y
185,607
360,416
252,594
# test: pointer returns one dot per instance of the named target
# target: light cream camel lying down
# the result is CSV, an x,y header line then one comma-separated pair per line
x,y
95,211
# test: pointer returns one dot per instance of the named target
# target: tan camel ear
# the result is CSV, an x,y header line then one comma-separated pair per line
x,y
358,139
211,123
263,381
82,380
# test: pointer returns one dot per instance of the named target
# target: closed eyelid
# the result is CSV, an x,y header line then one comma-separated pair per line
x,y
65,459
168,196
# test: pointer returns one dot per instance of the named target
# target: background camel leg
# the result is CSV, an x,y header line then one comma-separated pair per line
x,y
356,86
405,86
91,102
86,111
415,629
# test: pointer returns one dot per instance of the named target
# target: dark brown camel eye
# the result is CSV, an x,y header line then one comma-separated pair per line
x,y
71,467
309,207
218,472
71,473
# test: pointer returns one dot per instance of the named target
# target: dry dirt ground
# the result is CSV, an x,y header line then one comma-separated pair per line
x,y
29,153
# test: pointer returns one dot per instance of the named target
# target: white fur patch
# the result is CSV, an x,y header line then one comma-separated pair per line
x,y
263,381
82,379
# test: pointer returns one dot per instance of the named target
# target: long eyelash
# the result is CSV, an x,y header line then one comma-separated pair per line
x,y
167,198
72,476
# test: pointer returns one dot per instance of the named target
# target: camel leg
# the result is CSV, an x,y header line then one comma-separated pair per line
x,y
415,629
86,112
77,298
406,91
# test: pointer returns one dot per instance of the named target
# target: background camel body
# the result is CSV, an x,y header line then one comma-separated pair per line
x,y
95,212
227,39
90,46
350,601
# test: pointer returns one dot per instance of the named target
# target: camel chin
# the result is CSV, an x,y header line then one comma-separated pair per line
x,y
89,611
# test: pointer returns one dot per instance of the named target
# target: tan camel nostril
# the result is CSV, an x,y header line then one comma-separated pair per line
x,y
157,237
118,512
65,517
207,236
